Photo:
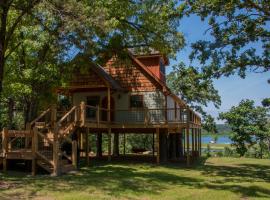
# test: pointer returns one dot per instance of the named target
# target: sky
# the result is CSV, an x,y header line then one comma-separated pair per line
x,y
231,89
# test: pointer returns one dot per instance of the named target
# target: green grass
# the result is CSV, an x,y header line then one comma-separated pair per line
x,y
217,146
215,178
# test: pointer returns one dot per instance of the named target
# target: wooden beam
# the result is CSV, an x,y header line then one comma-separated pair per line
x,y
74,154
200,142
34,150
83,113
124,144
158,146
109,104
188,153
196,140
55,158
109,144
87,147
153,144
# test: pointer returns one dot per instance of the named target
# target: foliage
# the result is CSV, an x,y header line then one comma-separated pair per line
x,y
38,37
228,152
195,89
248,123
240,36
208,151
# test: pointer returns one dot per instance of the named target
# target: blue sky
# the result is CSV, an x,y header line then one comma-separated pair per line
x,y
231,89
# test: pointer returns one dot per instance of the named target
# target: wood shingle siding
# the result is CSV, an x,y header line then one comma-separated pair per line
x,y
88,78
130,77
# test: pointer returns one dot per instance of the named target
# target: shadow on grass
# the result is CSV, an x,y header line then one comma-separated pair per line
x,y
118,179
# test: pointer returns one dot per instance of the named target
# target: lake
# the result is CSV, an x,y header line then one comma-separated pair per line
x,y
221,139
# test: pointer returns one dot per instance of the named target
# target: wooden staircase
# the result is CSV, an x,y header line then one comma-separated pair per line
x,y
51,137
44,139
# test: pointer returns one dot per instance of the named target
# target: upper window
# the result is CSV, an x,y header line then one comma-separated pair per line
x,y
136,101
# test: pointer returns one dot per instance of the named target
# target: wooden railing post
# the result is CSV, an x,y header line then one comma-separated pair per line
x,y
83,113
5,147
53,115
146,116
158,145
28,128
74,154
76,115
109,144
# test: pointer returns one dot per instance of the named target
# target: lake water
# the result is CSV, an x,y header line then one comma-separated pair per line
x,y
221,139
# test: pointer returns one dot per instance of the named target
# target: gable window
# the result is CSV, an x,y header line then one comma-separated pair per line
x,y
136,101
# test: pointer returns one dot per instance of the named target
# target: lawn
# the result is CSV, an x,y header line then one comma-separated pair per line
x,y
216,146
214,178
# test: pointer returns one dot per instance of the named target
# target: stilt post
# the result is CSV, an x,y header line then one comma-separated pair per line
x,y
158,145
87,147
109,144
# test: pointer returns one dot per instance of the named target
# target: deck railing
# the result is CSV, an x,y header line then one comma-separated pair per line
x,y
140,116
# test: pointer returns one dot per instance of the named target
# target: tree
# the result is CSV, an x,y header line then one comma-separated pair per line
x,y
196,89
95,27
240,36
39,37
249,125
12,13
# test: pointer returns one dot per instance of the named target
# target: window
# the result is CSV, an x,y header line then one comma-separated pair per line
x,y
92,101
136,101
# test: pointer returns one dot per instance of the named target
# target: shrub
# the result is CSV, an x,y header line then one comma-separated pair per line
x,y
228,152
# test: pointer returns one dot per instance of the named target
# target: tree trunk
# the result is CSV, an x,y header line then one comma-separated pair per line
x,y
10,113
3,30
116,144
99,145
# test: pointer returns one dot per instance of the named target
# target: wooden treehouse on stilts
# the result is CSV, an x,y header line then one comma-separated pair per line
x,y
120,98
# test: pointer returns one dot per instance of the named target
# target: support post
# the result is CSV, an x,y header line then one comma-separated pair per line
x,y
87,147
188,153
34,150
109,104
28,128
109,144
158,146
74,154
153,144
200,142
124,144
56,158
192,140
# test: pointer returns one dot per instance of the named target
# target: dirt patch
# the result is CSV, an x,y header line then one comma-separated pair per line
x,y
6,185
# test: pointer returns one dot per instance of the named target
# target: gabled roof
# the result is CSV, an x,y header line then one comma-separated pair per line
x,y
105,76
163,85
142,53
82,60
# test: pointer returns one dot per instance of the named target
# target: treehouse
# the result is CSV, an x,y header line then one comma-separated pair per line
x,y
125,96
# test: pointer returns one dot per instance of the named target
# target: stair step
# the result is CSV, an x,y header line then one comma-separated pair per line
x,y
45,165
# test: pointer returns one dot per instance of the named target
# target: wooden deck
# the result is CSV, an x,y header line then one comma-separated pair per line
x,y
43,139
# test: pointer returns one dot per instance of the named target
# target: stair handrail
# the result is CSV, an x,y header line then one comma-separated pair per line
x,y
66,115
40,116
